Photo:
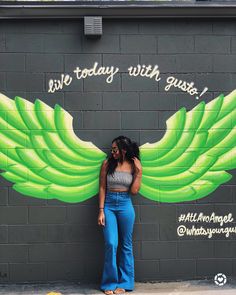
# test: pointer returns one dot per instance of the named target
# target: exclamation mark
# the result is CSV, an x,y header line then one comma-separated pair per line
x,y
203,91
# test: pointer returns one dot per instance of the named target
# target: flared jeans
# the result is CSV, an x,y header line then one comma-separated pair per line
x,y
118,272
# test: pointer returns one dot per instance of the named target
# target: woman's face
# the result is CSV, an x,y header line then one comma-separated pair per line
x,y
115,151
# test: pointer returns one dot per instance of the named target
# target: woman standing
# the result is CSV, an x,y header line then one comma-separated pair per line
x,y
120,176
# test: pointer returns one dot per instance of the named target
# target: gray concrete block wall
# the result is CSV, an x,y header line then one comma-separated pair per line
x,y
48,240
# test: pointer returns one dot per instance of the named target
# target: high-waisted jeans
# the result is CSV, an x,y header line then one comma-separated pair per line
x,y
119,220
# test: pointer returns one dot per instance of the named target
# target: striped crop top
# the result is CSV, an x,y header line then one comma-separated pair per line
x,y
119,180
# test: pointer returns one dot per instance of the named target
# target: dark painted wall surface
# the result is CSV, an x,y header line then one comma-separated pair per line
x,y
44,240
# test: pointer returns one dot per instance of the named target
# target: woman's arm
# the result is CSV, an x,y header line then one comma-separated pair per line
x,y
102,193
102,184
135,186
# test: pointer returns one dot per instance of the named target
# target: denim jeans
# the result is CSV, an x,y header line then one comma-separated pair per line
x,y
119,220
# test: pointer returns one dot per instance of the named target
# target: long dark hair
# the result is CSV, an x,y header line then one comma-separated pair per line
x,y
131,148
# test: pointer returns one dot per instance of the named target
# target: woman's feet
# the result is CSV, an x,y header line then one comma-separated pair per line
x,y
108,292
119,291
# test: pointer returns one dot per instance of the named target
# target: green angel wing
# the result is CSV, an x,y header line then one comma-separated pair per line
x,y
42,156
189,162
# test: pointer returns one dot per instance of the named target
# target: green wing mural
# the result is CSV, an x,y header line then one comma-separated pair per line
x,y
42,156
189,162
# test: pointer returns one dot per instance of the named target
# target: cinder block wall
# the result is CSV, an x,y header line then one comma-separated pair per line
x,y
44,240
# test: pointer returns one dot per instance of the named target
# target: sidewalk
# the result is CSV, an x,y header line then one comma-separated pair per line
x,y
163,288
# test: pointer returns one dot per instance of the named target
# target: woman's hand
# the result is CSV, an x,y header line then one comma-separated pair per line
x,y
138,166
101,218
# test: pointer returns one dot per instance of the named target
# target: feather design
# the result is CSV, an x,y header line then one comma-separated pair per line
x,y
191,160
41,154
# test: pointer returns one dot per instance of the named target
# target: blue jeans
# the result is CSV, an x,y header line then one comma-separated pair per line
x,y
119,220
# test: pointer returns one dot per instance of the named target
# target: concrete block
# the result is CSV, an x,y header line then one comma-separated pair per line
x,y
100,120
138,44
3,234
220,82
120,101
54,252
65,271
139,120
224,63
175,44
224,249
62,43
146,232
212,266
13,253
224,27
83,101
177,269
2,42
3,82
233,45
146,270
116,28
158,249
107,44
41,214
4,273
40,63
149,214
168,232
82,214
13,215
21,42
93,270
179,26
30,272
234,266
193,63
27,233
158,101
137,249
25,81
212,44
12,62
3,196
72,26
74,233
195,249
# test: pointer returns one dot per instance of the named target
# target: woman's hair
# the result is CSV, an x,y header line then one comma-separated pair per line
x,y
131,148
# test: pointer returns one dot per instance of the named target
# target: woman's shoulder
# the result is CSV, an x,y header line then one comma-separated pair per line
x,y
104,164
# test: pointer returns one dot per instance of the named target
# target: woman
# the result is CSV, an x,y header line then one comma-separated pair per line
x,y
120,176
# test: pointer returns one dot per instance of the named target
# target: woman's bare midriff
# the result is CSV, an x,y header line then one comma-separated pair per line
x,y
112,190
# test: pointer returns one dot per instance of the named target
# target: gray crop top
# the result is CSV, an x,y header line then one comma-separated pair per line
x,y
119,180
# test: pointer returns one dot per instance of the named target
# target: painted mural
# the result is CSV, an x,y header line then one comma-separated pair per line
x,y
43,158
